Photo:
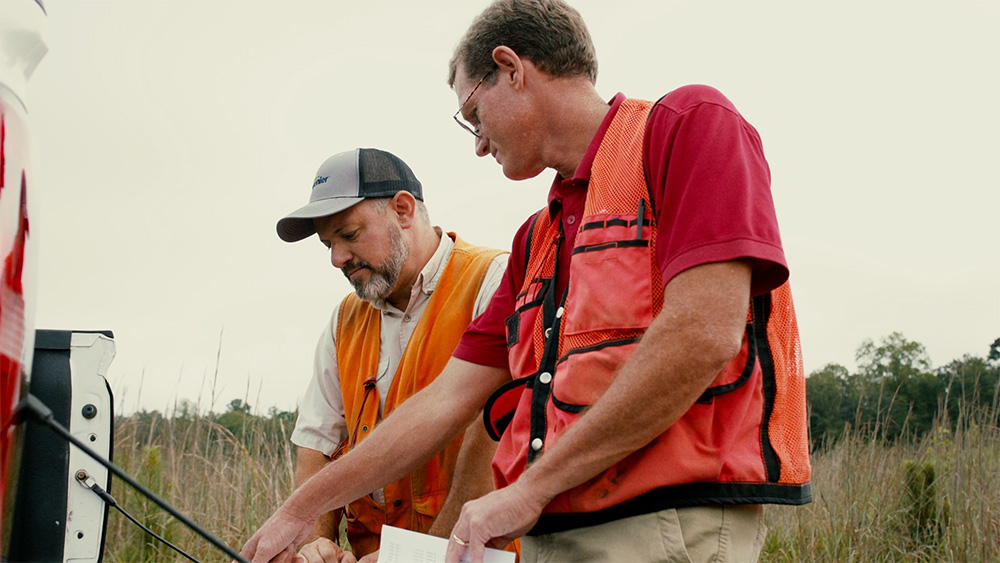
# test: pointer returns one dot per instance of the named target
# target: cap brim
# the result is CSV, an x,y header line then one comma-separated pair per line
x,y
298,224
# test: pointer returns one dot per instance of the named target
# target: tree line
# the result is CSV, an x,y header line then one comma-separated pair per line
x,y
895,392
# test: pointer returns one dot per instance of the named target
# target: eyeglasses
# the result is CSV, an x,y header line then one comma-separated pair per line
x,y
460,120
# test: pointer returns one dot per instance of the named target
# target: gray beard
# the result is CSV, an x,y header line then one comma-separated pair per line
x,y
383,278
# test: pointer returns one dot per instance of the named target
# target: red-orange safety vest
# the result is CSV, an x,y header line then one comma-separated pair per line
x,y
414,501
744,441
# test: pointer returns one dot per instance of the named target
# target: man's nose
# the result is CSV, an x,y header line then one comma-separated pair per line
x,y
482,146
339,255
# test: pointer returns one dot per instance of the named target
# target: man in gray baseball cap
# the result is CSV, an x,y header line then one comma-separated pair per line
x,y
413,283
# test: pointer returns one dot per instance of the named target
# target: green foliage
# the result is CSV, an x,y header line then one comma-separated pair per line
x,y
926,515
970,381
830,408
894,358
895,392
238,406
236,423
894,386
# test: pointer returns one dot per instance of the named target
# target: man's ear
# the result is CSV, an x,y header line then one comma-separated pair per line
x,y
404,207
510,66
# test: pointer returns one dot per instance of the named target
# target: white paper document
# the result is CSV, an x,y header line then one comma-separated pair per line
x,y
405,546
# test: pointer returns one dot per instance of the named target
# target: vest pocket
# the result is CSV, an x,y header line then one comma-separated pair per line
x,y
584,374
519,329
520,326
610,277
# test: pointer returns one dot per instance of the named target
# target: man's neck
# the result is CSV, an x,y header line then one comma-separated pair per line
x,y
575,112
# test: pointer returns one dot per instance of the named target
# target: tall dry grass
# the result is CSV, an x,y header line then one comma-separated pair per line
x,y
226,482
933,498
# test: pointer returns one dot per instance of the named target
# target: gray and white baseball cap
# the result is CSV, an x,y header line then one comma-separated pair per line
x,y
346,179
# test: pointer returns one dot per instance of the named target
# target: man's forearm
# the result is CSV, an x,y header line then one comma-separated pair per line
x,y
395,449
308,462
699,329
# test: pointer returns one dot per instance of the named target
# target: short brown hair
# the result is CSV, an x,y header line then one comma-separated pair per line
x,y
549,33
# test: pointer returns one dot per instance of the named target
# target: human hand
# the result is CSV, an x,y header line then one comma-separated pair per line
x,y
324,550
275,541
493,520
370,558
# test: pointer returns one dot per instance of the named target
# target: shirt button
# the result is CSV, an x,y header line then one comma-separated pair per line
x,y
545,378
364,428
559,312
397,503
548,332
406,318
536,444
571,220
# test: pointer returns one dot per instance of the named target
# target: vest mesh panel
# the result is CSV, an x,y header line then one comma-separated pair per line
x,y
788,432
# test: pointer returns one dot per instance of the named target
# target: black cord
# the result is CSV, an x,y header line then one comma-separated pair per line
x,y
83,478
32,406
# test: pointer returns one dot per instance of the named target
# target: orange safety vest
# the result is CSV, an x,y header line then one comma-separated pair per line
x,y
744,441
414,501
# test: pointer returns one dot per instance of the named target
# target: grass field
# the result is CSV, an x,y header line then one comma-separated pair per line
x,y
934,498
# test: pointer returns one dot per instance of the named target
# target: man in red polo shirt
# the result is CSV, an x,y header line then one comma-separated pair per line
x,y
640,361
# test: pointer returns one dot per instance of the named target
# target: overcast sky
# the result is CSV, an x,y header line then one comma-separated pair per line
x,y
169,137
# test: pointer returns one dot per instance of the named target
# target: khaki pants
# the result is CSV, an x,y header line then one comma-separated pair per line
x,y
698,534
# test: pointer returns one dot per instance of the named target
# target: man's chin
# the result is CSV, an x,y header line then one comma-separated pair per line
x,y
369,294
516,174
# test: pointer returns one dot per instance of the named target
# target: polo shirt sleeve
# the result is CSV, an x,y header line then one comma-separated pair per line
x,y
321,425
485,340
711,188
